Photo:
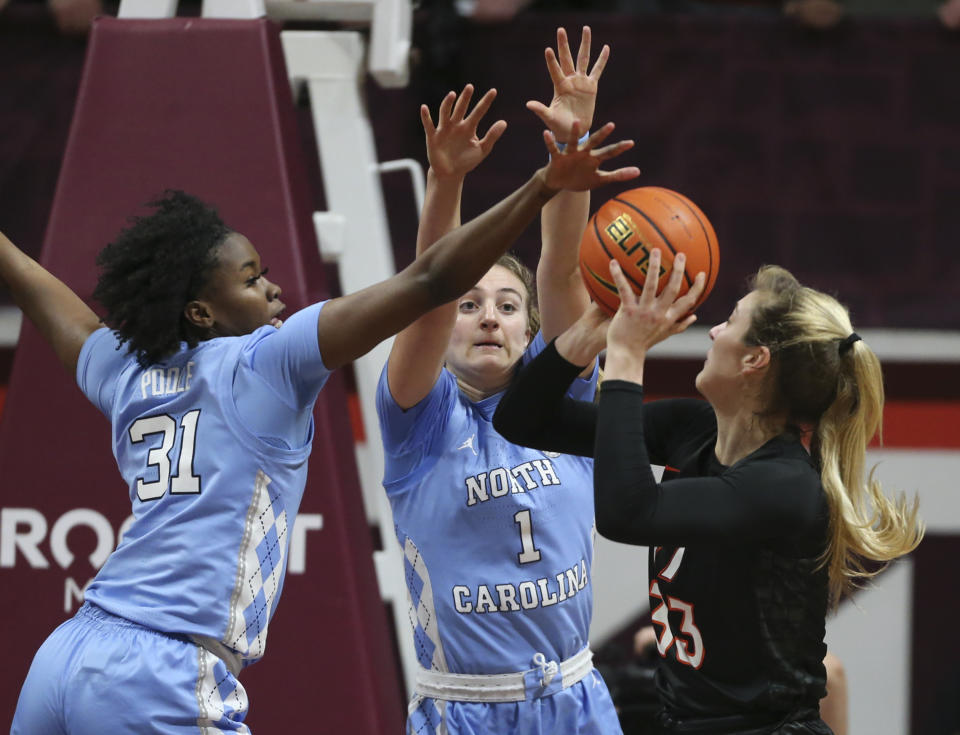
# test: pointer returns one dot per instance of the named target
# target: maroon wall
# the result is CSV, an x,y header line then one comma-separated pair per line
x,y
836,155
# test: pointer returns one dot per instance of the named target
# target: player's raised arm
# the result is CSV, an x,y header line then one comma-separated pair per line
x,y
454,148
561,294
62,317
352,325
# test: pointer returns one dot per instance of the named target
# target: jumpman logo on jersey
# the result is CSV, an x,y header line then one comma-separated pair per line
x,y
468,444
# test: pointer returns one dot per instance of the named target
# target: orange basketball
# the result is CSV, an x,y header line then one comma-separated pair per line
x,y
630,225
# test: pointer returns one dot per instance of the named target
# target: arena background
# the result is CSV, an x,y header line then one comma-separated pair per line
x,y
835,154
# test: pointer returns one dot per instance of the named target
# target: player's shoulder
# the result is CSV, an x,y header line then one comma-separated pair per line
x,y
784,458
294,341
428,418
102,341
784,466
693,410
691,418
103,353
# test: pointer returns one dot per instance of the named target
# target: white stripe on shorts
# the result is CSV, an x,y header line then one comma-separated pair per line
x,y
212,707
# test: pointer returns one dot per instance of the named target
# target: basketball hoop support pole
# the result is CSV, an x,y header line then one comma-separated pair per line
x,y
354,233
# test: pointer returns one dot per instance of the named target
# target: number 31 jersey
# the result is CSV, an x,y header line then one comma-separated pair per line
x,y
213,444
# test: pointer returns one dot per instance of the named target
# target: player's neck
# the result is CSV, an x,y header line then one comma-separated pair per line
x,y
476,393
477,387
742,433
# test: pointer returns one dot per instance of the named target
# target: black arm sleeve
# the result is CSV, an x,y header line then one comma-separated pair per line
x,y
769,496
623,483
536,412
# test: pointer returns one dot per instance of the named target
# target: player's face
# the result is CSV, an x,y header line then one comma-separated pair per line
x,y
721,379
238,295
491,332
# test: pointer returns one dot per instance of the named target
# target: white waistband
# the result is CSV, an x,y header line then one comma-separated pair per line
x,y
502,687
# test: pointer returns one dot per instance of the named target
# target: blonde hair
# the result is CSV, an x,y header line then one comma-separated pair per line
x,y
826,377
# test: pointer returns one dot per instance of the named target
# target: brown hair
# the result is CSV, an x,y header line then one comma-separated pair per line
x,y
513,264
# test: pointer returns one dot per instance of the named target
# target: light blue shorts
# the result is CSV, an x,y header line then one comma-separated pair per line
x,y
582,709
98,673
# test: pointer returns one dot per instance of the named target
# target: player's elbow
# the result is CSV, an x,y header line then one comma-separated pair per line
x,y
619,515
613,531
610,523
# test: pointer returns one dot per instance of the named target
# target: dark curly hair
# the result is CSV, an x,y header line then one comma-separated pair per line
x,y
153,268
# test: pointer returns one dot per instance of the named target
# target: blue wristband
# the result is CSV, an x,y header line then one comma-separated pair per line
x,y
583,139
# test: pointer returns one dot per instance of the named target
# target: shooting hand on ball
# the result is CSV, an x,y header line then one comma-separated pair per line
x,y
647,318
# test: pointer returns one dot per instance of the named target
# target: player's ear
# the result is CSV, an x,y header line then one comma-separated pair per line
x,y
198,314
757,359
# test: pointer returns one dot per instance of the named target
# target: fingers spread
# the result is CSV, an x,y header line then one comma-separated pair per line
x,y
672,288
601,63
612,150
627,296
427,121
653,275
460,109
551,143
683,324
598,137
583,55
540,110
563,52
446,106
482,106
682,309
492,136
621,174
553,68
685,303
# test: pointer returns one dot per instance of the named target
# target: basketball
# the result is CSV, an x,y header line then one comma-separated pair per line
x,y
629,226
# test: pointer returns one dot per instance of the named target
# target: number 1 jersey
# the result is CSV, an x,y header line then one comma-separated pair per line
x,y
497,538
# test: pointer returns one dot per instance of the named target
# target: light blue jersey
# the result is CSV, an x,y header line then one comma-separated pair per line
x,y
213,444
498,545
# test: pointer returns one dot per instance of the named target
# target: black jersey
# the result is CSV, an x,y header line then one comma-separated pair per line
x,y
737,595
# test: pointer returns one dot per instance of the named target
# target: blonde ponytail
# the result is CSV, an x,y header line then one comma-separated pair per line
x,y
826,376
865,525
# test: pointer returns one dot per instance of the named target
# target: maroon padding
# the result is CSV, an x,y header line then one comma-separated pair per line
x,y
202,105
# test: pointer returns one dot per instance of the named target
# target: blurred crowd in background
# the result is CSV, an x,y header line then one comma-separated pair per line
x,y
73,17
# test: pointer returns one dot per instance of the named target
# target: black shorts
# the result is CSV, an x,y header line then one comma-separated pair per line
x,y
801,722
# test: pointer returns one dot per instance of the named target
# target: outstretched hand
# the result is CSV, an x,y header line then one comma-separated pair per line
x,y
647,318
574,88
578,168
453,146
